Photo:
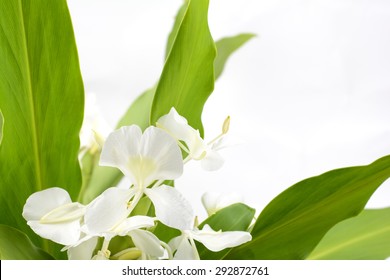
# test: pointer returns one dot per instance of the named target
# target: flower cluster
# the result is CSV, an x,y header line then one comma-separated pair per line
x,y
148,159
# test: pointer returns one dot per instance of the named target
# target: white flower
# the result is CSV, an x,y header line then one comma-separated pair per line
x,y
214,202
146,158
195,146
52,215
215,241
107,216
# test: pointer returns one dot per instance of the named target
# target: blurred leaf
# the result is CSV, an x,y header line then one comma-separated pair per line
x,y
236,217
41,97
365,237
15,245
225,47
187,79
1,126
296,220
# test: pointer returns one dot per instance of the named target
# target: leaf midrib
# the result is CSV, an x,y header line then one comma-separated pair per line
x,y
37,160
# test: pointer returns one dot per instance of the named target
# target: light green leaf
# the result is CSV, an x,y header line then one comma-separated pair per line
x,y
236,217
365,237
15,245
176,25
187,79
296,220
225,47
41,98
1,126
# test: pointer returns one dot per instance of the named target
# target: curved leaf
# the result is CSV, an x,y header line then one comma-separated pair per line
x,y
225,47
365,237
41,97
15,245
297,219
232,218
187,79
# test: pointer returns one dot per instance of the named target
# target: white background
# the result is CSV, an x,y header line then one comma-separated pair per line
x,y
309,94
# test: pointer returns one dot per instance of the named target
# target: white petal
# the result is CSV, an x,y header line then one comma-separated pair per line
x,y
160,147
62,233
134,222
217,240
42,202
147,242
121,145
212,161
107,210
174,124
84,250
184,250
172,209
213,201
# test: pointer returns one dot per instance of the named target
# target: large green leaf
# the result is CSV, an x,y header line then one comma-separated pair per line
x,y
225,47
297,219
187,79
41,98
15,245
365,237
236,217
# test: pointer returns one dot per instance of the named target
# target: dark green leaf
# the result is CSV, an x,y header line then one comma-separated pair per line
x,y
187,79
236,217
15,245
296,220
365,237
41,98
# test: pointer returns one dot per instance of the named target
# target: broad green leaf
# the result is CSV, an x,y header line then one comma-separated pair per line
x,y
15,245
187,79
225,47
1,126
236,217
365,237
295,221
41,98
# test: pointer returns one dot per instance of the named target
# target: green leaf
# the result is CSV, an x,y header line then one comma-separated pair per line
x,y
15,245
176,25
1,126
365,237
225,47
41,98
236,217
297,219
187,79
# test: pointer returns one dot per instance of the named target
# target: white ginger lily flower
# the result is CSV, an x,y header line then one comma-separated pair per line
x,y
213,201
195,146
215,241
107,216
52,215
146,158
